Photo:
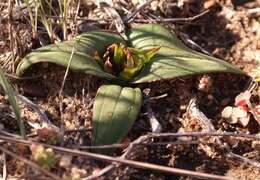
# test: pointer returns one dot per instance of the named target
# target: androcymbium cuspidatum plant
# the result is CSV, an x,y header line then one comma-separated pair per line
x,y
148,53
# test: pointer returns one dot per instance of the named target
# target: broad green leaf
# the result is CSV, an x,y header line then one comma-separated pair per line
x,y
115,110
98,59
83,58
173,59
11,98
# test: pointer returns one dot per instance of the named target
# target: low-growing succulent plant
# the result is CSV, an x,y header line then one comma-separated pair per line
x,y
147,53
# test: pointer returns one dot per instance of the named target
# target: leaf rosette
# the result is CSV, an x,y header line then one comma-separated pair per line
x,y
147,53
124,62
171,59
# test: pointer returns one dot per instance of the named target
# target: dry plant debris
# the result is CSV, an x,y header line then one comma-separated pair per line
x,y
223,28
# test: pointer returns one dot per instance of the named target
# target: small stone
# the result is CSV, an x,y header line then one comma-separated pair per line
x,y
227,112
65,161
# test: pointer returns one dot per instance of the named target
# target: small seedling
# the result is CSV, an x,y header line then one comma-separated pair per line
x,y
42,156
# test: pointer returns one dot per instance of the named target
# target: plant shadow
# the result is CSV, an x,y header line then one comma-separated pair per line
x,y
211,31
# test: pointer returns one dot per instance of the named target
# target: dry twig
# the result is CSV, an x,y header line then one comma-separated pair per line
x,y
195,112
11,30
61,90
4,167
100,173
113,14
35,108
210,128
204,133
243,159
127,155
140,8
172,20
135,164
